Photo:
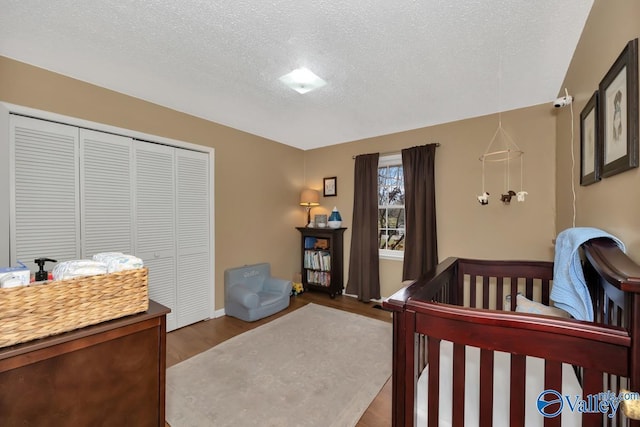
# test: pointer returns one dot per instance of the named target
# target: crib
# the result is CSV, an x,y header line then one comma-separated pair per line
x,y
463,355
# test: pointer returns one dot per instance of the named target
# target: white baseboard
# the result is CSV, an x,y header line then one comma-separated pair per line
x,y
372,299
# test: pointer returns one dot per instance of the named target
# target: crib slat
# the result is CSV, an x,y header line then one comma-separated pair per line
x,y
529,287
486,387
406,393
472,290
517,390
591,384
619,317
610,311
457,416
433,403
514,292
421,356
485,292
545,291
599,297
552,375
499,293
613,382
552,381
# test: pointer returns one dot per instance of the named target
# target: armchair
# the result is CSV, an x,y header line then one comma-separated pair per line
x,y
250,293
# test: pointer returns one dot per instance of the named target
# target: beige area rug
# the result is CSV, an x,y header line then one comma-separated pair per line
x,y
315,366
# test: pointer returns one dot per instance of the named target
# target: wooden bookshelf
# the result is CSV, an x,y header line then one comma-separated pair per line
x,y
322,259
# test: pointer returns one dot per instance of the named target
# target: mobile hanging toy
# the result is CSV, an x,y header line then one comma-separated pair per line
x,y
508,151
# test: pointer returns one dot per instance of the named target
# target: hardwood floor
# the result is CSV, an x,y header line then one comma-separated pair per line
x,y
191,340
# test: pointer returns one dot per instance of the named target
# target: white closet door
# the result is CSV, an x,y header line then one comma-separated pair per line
x,y
45,215
154,212
76,192
106,193
192,227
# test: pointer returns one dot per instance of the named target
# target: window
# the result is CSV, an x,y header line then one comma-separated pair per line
x,y
391,225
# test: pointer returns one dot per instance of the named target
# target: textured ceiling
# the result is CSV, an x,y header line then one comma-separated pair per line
x,y
389,65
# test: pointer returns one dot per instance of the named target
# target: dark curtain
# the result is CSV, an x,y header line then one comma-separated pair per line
x,y
420,249
364,274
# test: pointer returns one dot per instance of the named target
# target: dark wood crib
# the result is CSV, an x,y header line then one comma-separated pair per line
x,y
462,301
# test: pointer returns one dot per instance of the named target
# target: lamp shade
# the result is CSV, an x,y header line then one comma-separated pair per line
x,y
309,197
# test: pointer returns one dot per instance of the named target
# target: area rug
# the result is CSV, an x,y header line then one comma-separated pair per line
x,y
315,366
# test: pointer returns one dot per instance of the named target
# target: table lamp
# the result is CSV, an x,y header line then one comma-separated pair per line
x,y
308,199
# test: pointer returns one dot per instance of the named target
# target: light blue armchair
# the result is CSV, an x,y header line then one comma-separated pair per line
x,y
250,293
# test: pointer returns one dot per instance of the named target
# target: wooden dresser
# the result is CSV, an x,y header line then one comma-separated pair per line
x,y
110,374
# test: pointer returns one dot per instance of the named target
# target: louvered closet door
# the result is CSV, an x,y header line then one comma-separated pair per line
x,y
154,212
106,193
194,281
45,215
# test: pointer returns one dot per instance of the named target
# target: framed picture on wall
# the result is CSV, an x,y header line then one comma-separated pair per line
x,y
330,186
589,142
618,109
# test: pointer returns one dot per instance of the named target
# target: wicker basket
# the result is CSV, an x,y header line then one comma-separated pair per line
x,y
37,311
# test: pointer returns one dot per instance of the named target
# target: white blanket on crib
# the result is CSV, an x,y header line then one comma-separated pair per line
x,y
471,404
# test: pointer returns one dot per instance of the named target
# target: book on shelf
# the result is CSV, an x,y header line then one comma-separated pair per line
x,y
319,278
317,260
310,242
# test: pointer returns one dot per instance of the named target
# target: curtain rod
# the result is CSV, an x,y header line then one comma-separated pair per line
x,y
388,153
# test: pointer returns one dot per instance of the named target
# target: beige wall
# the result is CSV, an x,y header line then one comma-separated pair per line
x,y
257,181
465,228
611,204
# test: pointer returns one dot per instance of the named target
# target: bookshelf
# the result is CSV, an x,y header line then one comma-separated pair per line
x,y
322,259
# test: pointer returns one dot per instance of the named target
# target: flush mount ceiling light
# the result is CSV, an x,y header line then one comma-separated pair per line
x,y
302,80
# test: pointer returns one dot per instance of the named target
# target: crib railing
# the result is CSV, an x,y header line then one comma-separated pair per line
x,y
450,303
488,282
557,341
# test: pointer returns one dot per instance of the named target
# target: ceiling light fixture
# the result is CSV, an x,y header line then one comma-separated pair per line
x,y
302,80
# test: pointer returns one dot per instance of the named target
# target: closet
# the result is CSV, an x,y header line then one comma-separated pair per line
x,y
75,192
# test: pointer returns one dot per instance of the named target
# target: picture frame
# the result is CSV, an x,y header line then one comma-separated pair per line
x,y
590,142
330,186
618,110
320,221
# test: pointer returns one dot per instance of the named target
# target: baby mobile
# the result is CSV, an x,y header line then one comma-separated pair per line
x,y
504,151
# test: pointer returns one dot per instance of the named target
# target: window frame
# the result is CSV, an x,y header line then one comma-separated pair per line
x,y
391,160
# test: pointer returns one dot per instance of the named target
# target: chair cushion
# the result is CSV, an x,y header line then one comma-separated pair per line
x,y
268,298
244,296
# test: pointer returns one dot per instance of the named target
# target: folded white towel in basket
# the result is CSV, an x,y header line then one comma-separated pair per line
x,y
569,291
106,256
78,268
102,263
117,261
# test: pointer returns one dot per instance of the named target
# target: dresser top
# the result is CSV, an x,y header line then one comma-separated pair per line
x,y
155,310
